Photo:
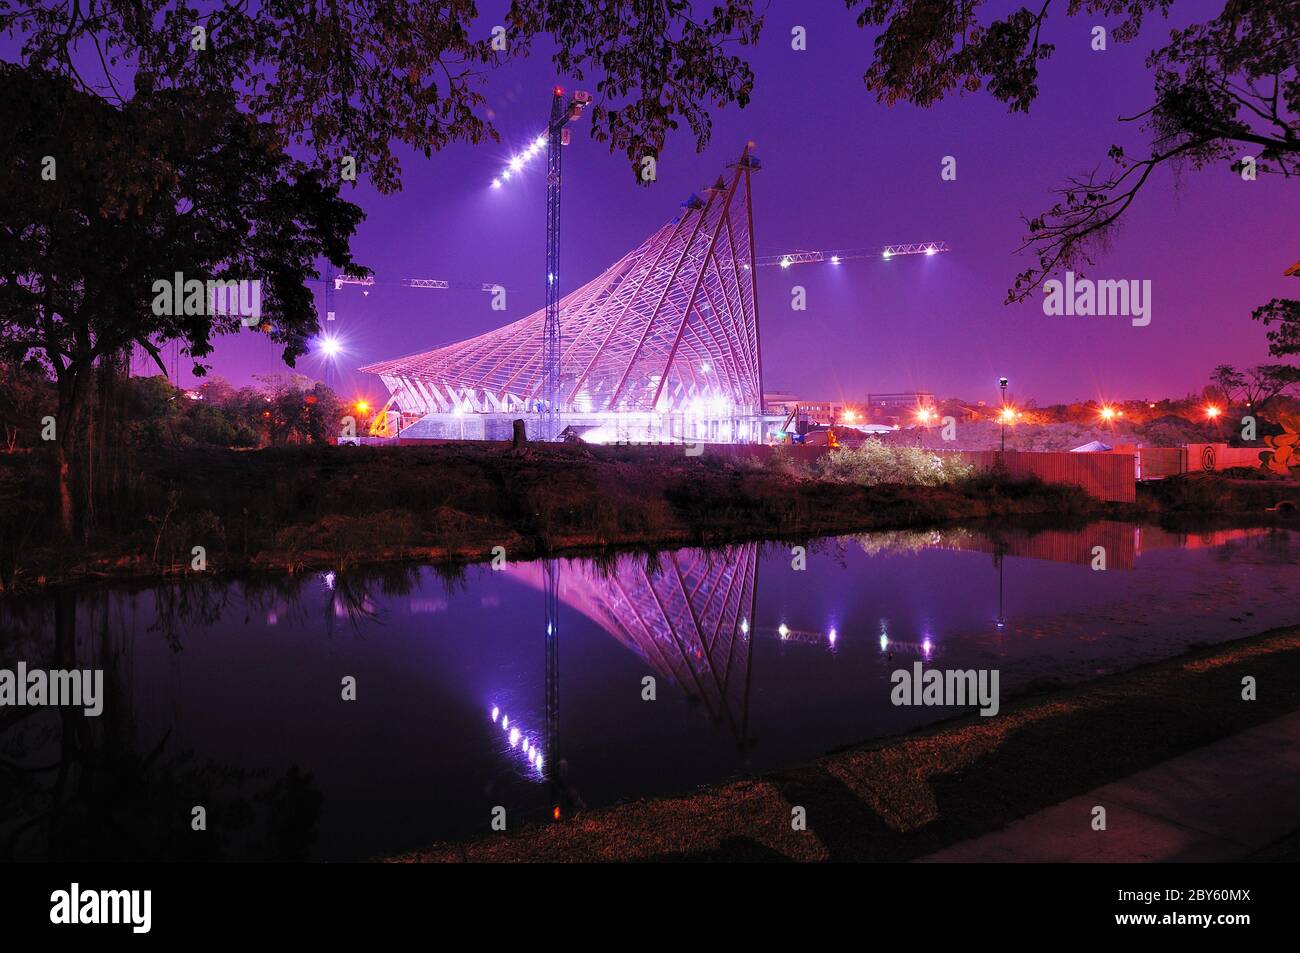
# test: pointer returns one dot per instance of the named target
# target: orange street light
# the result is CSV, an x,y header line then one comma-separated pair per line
x,y
1212,412
362,406
1108,413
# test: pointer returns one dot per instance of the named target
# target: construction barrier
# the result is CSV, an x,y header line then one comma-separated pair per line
x,y
1209,457
1106,476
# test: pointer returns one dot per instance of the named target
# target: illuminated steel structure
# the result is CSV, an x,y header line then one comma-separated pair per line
x,y
663,346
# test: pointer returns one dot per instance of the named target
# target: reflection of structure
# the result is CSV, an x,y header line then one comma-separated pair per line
x,y
662,346
690,619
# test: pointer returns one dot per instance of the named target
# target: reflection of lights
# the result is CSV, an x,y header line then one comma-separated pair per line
x,y
744,626
832,636
884,641
555,813
328,579
927,645
519,740
783,630
705,367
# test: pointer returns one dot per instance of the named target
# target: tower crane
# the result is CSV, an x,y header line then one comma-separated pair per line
x,y
557,135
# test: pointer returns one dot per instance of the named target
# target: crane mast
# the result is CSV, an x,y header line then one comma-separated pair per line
x,y
562,113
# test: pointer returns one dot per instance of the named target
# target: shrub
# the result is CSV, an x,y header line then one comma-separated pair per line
x,y
873,463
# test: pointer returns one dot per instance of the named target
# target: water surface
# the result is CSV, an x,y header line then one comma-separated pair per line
x,y
228,694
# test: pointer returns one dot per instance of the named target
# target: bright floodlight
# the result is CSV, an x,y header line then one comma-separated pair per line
x,y
785,262
931,250
887,254
519,160
835,259
330,347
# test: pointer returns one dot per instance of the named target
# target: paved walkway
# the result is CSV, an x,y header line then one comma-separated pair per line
x,y
1227,801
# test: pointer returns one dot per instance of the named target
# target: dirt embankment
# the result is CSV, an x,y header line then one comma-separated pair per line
x,y
335,507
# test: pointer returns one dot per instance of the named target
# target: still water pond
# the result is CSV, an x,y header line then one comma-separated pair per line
x,y
229,695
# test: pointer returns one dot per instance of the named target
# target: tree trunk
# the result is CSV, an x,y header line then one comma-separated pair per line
x,y
65,453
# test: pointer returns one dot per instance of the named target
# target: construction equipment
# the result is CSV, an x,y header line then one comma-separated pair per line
x,y
556,136
835,256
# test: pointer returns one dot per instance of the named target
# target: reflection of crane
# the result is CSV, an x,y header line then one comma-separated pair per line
x,y
836,256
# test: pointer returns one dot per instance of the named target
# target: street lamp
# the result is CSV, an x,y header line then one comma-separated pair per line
x,y
1002,385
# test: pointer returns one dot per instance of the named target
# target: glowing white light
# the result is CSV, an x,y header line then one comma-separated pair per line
x,y
329,579
505,176
887,254
540,141
931,250
926,646
539,762
496,183
514,737
785,262
835,259
705,367
505,722
496,713
832,635
884,641
516,164
783,629
744,626
526,744
330,347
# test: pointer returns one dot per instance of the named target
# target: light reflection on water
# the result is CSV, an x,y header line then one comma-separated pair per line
x,y
229,694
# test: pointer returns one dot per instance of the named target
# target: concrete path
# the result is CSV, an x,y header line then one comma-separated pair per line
x,y
1226,801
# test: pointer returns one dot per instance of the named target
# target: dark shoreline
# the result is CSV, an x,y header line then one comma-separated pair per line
x,y
315,508
904,798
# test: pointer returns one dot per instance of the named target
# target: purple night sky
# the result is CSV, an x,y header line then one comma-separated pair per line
x,y
840,170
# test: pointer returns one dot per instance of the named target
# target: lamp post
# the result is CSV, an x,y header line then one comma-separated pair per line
x,y
1002,385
